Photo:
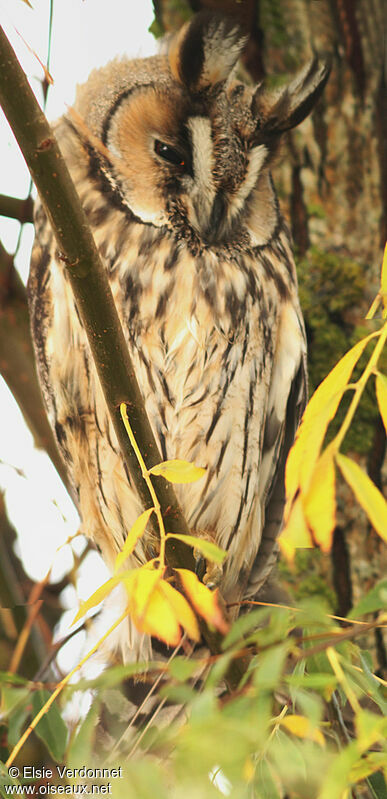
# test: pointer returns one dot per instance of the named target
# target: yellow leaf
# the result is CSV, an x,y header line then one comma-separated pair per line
x,y
301,726
178,471
210,550
159,618
383,286
320,501
296,534
366,493
249,770
366,765
182,610
381,395
148,607
318,413
374,307
140,588
136,531
159,609
204,601
96,597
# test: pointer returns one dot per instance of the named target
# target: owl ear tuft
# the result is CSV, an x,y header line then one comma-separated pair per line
x,y
283,109
205,51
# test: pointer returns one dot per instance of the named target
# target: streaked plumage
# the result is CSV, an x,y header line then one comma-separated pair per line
x,y
172,164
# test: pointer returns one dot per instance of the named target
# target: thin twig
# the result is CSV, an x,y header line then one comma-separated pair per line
x,y
14,208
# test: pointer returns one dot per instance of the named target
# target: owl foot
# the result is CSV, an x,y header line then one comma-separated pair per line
x,y
209,573
213,575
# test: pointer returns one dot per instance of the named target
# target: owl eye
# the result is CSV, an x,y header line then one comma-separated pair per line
x,y
169,154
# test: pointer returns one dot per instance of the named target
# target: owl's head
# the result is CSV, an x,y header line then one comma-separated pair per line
x,y
185,145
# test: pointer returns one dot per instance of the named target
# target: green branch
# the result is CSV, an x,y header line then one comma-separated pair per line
x,y
14,208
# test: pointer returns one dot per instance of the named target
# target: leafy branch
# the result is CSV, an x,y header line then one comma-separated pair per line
x,y
156,606
155,602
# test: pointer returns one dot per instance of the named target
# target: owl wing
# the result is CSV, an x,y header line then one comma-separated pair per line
x,y
40,307
278,439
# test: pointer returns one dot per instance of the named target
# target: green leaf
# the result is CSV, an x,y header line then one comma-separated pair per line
x,y
16,722
265,781
178,471
245,624
12,698
51,729
218,671
177,694
336,778
374,689
270,666
376,599
5,779
210,550
366,493
371,728
316,681
377,785
310,705
182,669
82,746
115,675
13,679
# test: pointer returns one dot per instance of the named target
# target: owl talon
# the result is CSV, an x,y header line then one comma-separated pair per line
x,y
213,576
209,573
200,564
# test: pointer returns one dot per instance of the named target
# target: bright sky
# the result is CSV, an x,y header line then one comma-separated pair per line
x,y
86,34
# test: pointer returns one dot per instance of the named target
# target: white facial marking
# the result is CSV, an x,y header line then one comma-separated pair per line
x,y
202,154
256,161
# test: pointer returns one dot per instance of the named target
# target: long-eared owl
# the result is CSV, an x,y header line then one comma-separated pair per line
x,y
172,164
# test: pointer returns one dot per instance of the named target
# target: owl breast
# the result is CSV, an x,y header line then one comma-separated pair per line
x,y
203,333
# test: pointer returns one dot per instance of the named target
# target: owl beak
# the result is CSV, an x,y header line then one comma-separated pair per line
x,y
211,233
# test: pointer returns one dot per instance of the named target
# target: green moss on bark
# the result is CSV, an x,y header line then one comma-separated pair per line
x,y
310,576
332,288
